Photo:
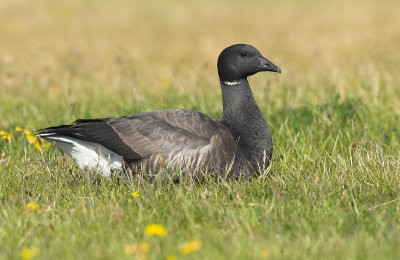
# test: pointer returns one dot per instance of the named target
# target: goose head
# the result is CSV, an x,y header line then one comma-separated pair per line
x,y
239,61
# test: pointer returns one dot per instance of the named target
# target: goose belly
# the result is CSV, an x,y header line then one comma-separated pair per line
x,y
88,155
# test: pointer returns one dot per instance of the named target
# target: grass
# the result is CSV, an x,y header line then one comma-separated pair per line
x,y
332,190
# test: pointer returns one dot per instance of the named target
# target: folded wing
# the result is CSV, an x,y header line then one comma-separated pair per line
x,y
156,138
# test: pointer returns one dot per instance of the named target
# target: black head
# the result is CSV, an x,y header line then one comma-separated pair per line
x,y
240,61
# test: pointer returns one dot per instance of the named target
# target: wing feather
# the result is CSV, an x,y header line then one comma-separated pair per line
x,y
168,135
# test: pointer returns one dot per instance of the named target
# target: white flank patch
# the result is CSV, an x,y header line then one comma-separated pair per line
x,y
88,155
231,83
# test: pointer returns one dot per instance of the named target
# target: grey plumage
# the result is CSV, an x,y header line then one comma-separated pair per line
x,y
185,138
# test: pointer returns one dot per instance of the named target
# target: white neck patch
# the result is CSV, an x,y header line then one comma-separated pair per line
x,y
231,83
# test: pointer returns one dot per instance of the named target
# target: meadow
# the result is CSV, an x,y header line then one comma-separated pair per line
x,y
332,190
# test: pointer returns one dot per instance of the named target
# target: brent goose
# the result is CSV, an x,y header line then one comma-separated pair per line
x,y
180,138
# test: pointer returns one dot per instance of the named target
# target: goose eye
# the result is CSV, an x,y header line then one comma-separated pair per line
x,y
243,54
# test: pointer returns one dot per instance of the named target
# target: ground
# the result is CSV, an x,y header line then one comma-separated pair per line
x,y
332,190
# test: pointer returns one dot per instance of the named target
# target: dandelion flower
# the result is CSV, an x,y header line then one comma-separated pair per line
x,y
135,193
31,139
27,132
129,249
143,247
18,129
37,146
31,206
190,246
29,252
4,134
155,230
171,257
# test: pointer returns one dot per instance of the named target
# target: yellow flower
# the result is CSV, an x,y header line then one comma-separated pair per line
x,y
144,247
155,230
27,132
138,248
29,252
190,246
129,249
37,146
6,135
265,253
135,193
32,139
171,257
31,206
18,128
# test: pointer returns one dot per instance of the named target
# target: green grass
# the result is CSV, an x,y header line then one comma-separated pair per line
x,y
332,190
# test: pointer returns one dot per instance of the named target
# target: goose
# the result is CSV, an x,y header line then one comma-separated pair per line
x,y
194,142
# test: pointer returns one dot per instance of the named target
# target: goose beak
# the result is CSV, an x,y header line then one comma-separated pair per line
x,y
266,65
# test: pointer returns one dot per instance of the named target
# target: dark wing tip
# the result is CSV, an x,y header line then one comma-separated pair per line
x,y
63,129
52,129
